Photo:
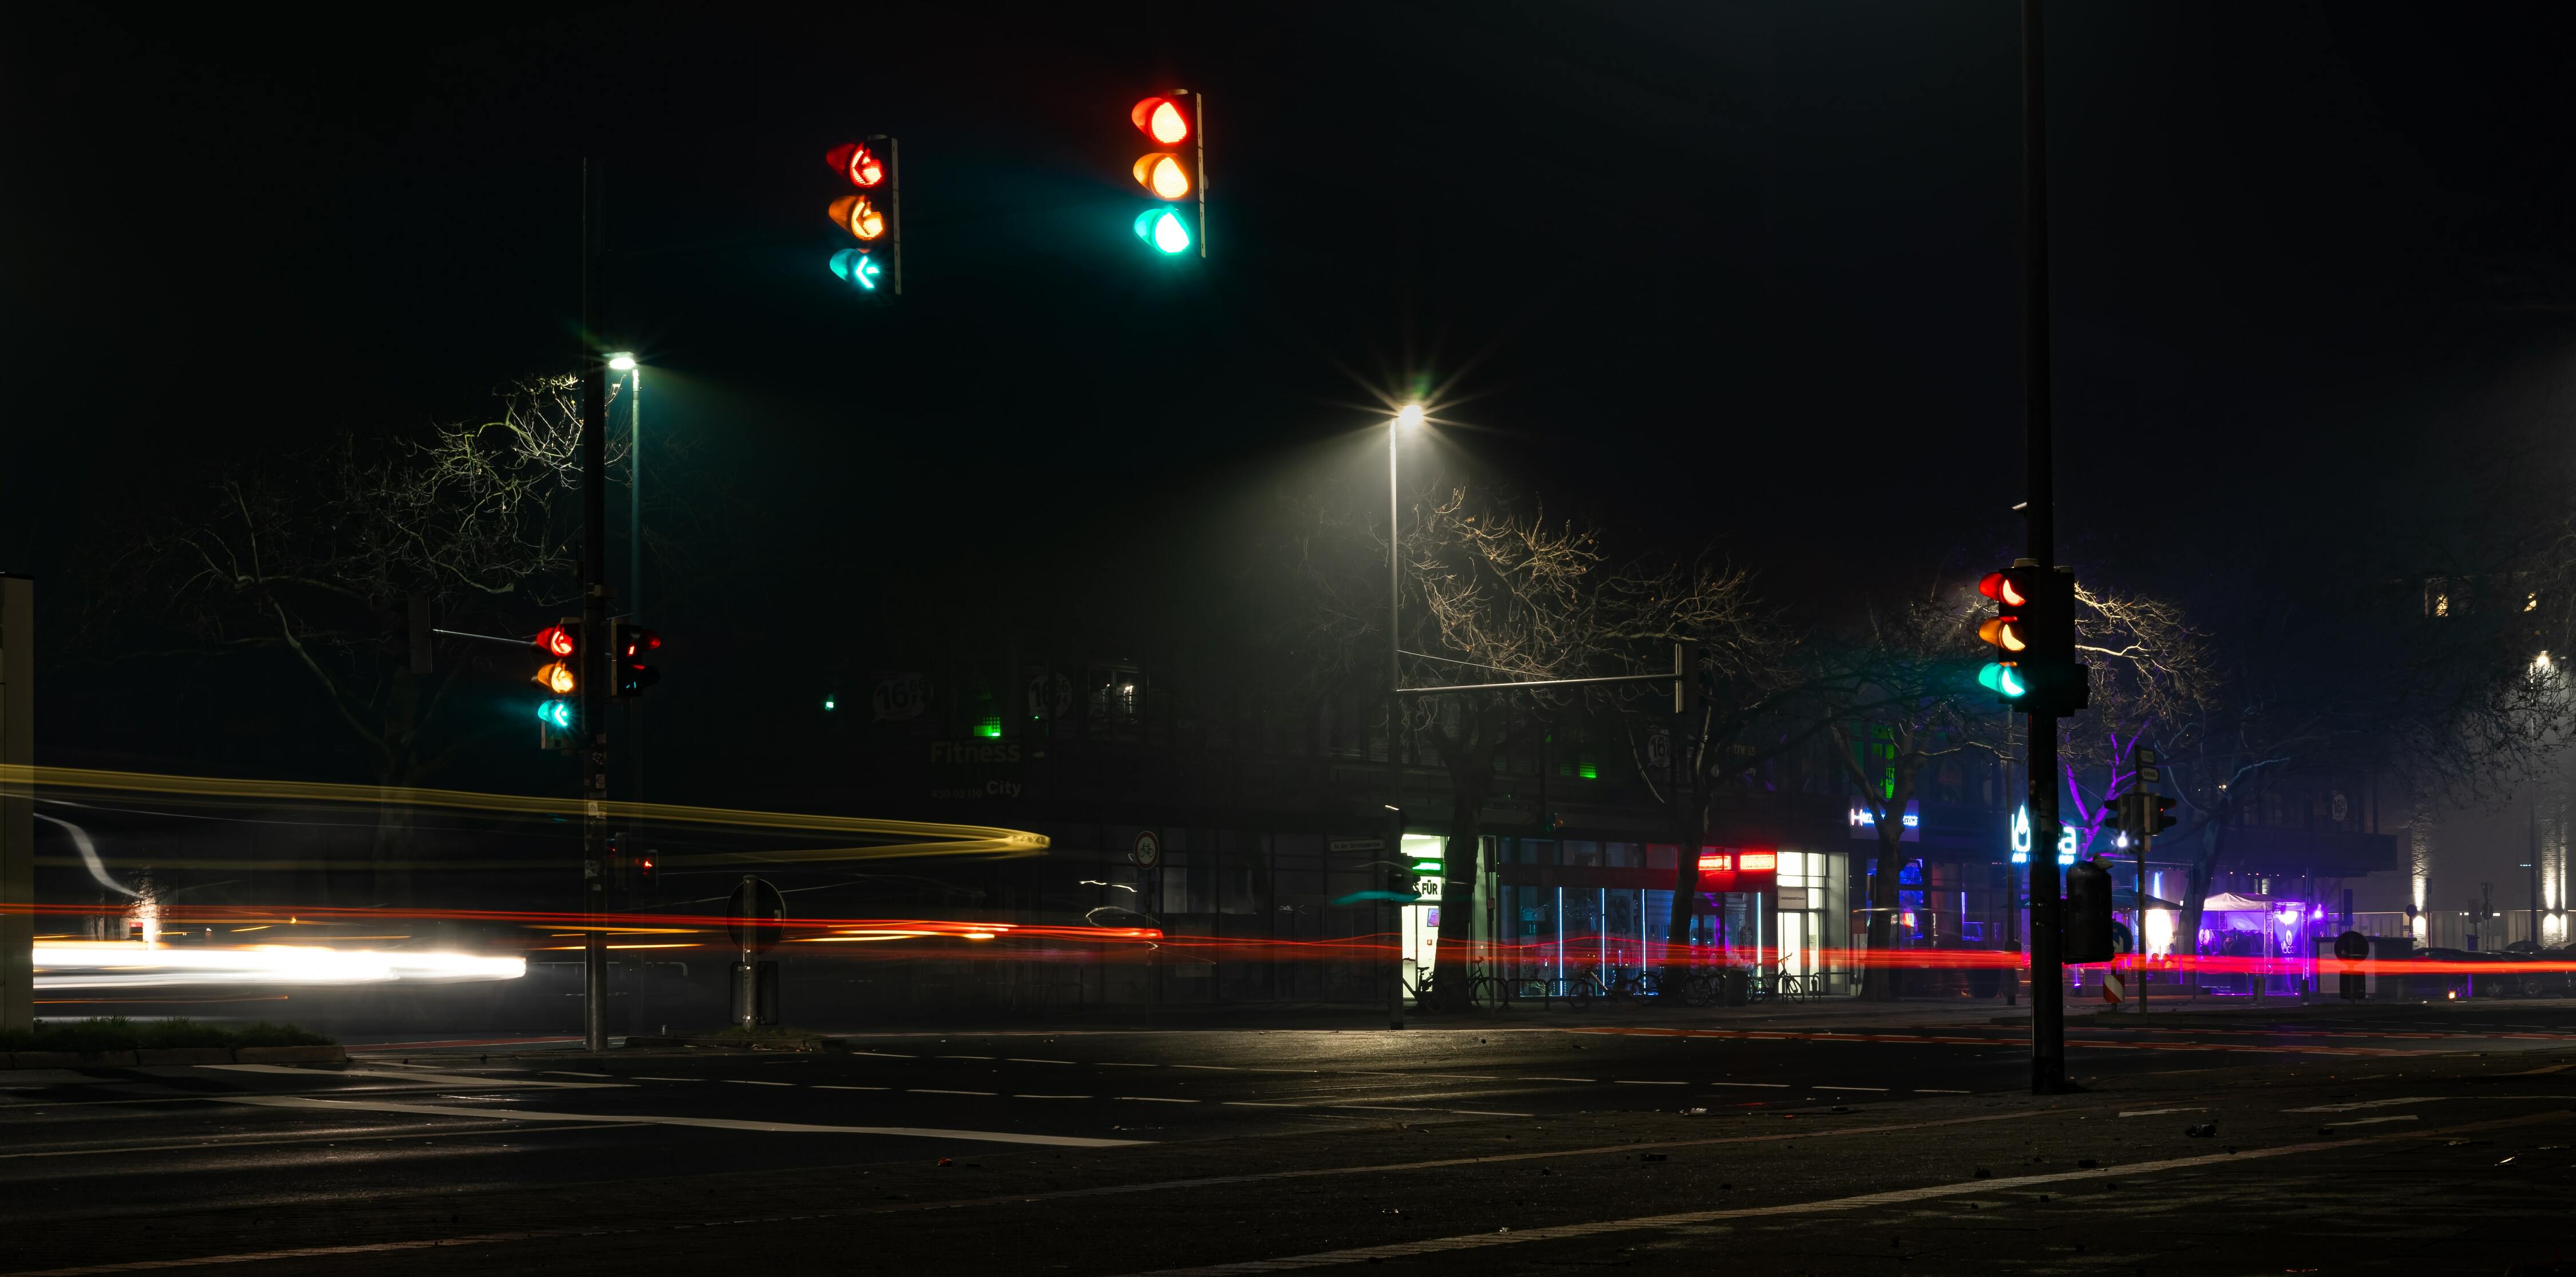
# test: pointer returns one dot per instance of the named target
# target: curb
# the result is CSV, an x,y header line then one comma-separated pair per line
x,y
174,1055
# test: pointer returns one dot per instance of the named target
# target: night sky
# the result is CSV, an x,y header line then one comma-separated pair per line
x,y
1740,278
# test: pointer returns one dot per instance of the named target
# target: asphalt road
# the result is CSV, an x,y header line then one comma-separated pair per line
x,y
1829,1145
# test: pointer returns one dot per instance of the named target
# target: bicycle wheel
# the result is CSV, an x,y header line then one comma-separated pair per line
x,y
1698,990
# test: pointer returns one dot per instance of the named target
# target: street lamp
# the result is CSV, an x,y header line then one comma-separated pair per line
x,y
621,362
1407,418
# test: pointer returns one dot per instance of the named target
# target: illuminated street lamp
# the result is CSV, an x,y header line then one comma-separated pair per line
x,y
1407,418
621,362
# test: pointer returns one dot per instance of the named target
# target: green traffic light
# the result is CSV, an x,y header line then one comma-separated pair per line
x,y
2003,680
1163,228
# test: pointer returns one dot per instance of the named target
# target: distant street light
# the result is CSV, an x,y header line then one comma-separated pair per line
x,y
1409,416
621,362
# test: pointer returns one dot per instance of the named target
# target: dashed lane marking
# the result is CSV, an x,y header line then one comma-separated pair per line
x,y
744,1081
2159,1112
1025,1096
1819,1086
1773,1086
930,1090
2374,1121
1555,1079
1156,1099
886,1055
1630,1081
2368,1104
827,1086
1020,1059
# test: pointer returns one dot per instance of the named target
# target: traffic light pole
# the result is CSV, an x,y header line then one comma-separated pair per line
x,y
2047,973
592,658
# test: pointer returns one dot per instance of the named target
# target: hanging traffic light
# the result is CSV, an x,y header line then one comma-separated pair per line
x,y
629,647
1174,171
871,212
2007,676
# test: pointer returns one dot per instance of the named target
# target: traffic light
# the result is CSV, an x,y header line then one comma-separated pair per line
x,y
2033,633
1173,170
2086,925
871,212
2158,815
2008,631
630,648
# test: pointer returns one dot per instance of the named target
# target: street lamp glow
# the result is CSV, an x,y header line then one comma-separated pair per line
x,y
1409,416
621,362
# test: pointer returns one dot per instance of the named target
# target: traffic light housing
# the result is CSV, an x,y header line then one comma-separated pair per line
x,y
559,649
869,210
2033,634
2157,815
1172,171
630,652
2085,923
2008,632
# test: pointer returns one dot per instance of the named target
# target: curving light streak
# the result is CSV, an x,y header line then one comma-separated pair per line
x,y
916,837
123,964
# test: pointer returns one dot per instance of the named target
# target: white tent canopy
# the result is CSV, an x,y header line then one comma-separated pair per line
x,y
2230,902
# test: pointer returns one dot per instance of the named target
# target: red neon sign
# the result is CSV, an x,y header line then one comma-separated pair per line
x,y
1758,862
1716,864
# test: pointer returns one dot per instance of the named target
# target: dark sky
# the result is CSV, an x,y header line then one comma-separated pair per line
x,y
1731,275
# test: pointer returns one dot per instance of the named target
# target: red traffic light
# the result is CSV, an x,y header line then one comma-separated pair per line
x,y
634,642
1163,120
853,160
2001,587
557,640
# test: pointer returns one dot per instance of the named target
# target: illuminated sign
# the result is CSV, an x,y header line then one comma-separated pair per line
x,y
1864,822
1758,862
1717,863
2066,839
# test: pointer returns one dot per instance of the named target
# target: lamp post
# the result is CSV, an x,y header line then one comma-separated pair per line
x,y
624,362
1407,418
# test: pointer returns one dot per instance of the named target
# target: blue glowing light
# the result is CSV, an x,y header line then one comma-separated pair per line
x,y
555,713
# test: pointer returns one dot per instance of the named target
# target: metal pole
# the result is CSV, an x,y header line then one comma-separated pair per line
x,y
1394,719
2047,973
592,658
2146,839
635,584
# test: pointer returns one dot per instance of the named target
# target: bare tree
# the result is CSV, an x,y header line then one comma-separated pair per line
x,y
322,557
2153,684
1898,694
1492,593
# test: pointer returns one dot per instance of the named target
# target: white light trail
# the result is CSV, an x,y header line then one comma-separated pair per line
x,y
115,964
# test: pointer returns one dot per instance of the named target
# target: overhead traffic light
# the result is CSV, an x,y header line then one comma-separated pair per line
x,y
1173,171
871,212
631,647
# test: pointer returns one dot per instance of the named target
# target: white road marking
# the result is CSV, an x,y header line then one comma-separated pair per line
x,y
1486,1113
1219,1068
641,1078
1156,1099
570,1073
655,1119
1629,1081
1016,1059
2159,1112
1555,1079
886,1055
433,1079
1867,1202
1822,1087
1119,1064
930,1090
826,1086
1934,1090
744,1081
1775,1086
1025,1096
2370,1104
2373,1121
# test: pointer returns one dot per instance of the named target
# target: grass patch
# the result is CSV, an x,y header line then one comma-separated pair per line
x,y
116,1033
